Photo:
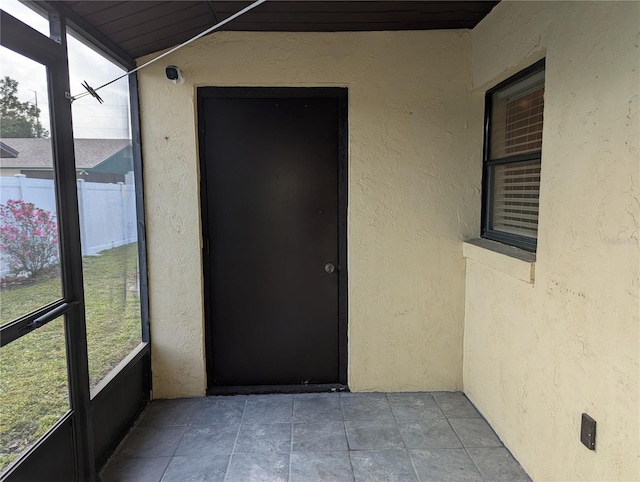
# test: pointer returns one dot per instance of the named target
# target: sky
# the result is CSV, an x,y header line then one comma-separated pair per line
x,y
90,119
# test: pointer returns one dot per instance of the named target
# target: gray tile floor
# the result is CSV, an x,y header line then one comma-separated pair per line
x,y
436,436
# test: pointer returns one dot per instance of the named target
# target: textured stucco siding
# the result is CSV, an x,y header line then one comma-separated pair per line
x,y
413,167
538,355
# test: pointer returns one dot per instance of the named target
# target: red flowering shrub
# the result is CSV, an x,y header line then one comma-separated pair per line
x,y
29,236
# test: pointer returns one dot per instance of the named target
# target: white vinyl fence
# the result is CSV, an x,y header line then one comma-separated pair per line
x,y
107,211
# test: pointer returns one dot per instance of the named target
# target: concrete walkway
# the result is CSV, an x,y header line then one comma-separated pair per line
x,y
436,436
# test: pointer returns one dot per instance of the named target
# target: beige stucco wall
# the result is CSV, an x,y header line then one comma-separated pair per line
x,y
538,355
411,197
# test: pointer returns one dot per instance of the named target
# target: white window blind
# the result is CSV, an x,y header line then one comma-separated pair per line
x,y
516,120
516,189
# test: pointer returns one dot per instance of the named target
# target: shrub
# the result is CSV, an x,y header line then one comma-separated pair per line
x,y
29,236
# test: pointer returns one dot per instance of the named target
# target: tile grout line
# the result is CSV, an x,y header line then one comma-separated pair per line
x,y
438,405
455,432
474,462
344,426
188,425
446,417
293,403
406,447
244,409
464,447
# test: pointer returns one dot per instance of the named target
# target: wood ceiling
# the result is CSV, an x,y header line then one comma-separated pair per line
x,y
142,27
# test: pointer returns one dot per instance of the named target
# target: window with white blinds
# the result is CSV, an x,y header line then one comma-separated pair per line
x,y
512,168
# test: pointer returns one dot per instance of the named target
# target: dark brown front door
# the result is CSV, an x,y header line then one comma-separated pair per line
x,y
273,196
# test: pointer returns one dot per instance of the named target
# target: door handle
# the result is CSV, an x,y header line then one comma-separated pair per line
x,y
329,267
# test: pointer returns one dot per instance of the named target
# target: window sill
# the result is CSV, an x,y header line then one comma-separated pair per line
x,y
507,259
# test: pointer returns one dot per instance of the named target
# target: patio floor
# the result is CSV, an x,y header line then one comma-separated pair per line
x,y
435,436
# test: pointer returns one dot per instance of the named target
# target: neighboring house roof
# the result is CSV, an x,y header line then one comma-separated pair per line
x,y
121,162
35,153
6,151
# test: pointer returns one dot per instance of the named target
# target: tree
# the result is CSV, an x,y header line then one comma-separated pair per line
x,y
29,236
18,119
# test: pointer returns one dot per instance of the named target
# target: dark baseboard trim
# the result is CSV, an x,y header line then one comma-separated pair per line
x,y
266,389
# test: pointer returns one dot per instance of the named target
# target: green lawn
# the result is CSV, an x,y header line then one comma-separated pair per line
x,y
33,369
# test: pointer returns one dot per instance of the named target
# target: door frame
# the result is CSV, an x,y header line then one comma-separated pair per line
x,y
341,95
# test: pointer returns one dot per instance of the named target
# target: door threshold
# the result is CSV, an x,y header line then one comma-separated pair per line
x,y
267,389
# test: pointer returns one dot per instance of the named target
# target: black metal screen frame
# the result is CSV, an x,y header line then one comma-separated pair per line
x,y
52,53
26,41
